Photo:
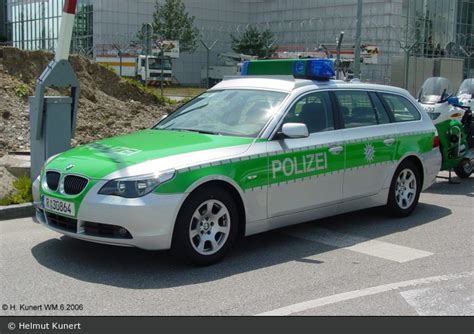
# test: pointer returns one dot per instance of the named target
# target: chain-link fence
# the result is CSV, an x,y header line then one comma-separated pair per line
x,y
415,37
421,38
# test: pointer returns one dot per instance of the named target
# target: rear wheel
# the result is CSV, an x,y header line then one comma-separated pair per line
x,y
206,226
404,190
464,170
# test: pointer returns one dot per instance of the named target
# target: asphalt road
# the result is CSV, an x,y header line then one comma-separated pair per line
x,y
361,263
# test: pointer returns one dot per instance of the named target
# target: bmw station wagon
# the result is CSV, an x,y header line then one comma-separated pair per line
x,y
252,154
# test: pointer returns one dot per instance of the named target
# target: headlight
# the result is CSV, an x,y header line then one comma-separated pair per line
x,y
133,187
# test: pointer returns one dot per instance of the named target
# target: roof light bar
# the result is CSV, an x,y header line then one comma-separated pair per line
x,y
313,69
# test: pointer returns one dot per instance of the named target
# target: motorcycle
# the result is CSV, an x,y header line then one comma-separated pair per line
x,y
466,93
453,121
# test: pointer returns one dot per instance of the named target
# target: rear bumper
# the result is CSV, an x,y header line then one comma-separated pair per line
x,y
432,166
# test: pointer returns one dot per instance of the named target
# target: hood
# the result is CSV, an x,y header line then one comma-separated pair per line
x,y
100,158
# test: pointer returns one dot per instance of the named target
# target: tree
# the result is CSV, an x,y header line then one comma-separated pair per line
x,y
172,22
254,42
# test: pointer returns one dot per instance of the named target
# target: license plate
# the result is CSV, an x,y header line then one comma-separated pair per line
x,y
58,206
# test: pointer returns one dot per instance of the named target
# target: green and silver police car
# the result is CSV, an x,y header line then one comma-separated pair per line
x,y
254,153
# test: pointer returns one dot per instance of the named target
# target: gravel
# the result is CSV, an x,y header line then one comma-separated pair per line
x,y
108,105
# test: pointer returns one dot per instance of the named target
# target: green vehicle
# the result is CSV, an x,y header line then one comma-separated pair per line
x,y
252,154
453,122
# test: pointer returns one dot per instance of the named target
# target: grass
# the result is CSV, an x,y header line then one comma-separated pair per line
x,y
180,91
183,91
150,90
21,194
22,91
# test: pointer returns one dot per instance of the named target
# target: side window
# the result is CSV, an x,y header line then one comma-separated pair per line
x,y
314,110
382,115
402,109
356,108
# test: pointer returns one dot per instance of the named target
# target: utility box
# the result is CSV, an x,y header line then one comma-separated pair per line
x,y
453,69
55,131
52,118
422,68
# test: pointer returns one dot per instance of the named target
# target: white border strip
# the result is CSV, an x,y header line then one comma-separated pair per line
x,y
304,306
371,247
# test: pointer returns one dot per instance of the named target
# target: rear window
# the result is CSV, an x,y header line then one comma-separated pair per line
x,y
402,109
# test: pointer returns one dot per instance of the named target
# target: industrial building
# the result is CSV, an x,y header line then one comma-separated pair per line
x,y
397,28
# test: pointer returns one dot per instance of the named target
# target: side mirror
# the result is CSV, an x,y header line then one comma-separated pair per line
x,y
295,130
454,101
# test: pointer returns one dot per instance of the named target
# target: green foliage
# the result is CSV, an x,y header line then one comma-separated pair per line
x,y
107,66
172,22
22,91
253,42
22,193
186,100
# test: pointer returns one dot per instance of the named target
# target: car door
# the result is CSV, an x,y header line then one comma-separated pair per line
x,y
370,139
306,173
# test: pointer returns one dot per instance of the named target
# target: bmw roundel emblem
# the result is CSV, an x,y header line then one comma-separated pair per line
x,y
69,167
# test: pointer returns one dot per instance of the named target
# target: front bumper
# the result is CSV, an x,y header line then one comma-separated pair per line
x,y
146,222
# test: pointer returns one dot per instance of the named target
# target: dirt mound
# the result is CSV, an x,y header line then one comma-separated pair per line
x,y
6,182
28,65
108,105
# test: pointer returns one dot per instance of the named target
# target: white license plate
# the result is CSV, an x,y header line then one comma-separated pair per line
x,y
58,206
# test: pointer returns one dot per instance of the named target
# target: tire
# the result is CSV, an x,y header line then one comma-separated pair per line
x,y
404,190
202,238
464,170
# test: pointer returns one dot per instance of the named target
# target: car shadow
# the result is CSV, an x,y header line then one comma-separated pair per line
x,y
462,187
139,269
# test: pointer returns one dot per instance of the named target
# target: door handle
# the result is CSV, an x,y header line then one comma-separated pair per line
x,y
336,150
389,142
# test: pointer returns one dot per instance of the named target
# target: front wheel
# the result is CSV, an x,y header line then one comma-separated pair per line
x,y
464,170
206,226
404,190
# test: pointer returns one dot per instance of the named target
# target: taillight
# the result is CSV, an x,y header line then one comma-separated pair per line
x,y
436,140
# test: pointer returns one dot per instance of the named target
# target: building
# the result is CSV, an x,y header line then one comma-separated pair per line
x,y
441,28
3,19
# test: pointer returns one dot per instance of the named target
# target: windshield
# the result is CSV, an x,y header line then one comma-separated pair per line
x,y
467,87
234,112
155,64
435,90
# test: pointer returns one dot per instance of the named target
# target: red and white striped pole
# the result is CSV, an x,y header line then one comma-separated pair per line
x,y
65,31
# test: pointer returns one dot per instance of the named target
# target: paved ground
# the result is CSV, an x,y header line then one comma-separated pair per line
x,y
356,264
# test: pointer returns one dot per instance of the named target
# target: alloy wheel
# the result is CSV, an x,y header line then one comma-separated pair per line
x,y
405,189
209,227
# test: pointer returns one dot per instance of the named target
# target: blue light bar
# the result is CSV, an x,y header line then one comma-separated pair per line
x,y
320,69
245,68
312,69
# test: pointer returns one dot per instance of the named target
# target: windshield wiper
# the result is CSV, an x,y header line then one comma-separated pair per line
x,y
198,131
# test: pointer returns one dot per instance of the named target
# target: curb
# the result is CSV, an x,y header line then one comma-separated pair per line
x,y
16,211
